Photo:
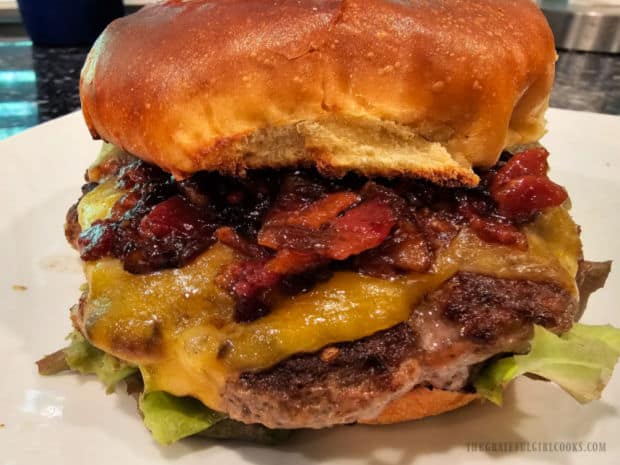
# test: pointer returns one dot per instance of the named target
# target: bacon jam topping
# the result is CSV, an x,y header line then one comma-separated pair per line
x,y
521,187
296,227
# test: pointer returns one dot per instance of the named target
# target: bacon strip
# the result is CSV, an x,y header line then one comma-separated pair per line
x,y
320,212
172,216
490,227
521,188
228,236
307,238
405,250
361,228
287,261
523,197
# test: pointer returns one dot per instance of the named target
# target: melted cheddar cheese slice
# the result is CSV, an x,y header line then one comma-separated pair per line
x,y
177,324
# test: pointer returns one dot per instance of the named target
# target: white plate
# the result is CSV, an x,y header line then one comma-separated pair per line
x,y
69,420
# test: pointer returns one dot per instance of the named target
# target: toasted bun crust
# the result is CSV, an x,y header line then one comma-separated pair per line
x,y
384,87
419,403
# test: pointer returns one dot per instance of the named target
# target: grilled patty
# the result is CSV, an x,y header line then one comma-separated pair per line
x,y
468,320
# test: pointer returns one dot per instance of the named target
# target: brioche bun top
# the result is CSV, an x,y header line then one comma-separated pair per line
x,y
426,88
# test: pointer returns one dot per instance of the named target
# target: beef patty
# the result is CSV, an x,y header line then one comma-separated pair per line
x,y
468,320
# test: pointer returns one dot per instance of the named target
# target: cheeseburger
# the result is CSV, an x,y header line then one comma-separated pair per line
x,y
312,213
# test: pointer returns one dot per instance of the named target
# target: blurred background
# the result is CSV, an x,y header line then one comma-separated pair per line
x,y
43,44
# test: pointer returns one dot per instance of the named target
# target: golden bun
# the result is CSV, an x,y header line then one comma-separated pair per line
x,y
419,403
423,88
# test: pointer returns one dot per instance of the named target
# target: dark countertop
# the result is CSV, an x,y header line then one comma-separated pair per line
x,y
38,84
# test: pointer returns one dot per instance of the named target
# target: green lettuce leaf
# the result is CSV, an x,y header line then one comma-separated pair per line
x,y
491,381
85,358
604,333
170,418
580,361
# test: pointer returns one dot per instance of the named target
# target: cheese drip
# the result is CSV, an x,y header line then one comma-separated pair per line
x,y
177,325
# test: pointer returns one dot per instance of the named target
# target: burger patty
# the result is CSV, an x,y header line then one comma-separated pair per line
x,y
295,228
468,320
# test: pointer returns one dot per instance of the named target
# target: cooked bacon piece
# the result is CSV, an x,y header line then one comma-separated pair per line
x,y
522,198
173,232
228,236
521,187
530,162
320,212
438,227
288,261
104,170
361,228
303,240
292,236
411,252
300,209
305,232
124,204
97,241
252,286
405,250
494,230
169,235
253,275
173,216
254,282
487,225
297,216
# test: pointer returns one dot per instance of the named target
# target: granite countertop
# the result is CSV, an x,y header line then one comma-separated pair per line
x,y
38,84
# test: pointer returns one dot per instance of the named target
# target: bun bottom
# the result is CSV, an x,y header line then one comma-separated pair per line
x,y
419,403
